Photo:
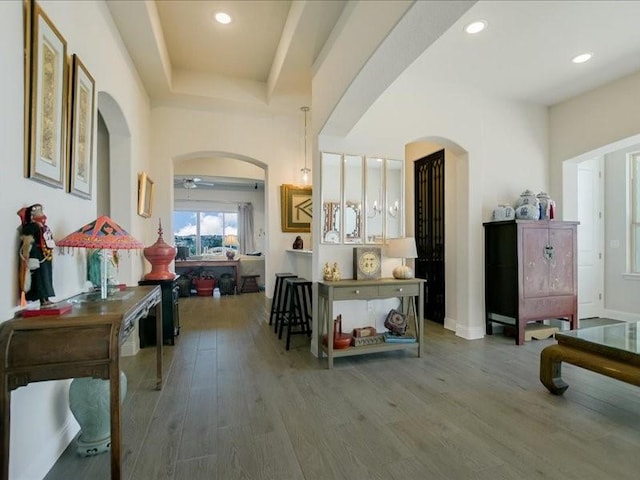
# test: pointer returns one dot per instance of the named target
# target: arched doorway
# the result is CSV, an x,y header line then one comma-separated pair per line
x,y
242,181
455,225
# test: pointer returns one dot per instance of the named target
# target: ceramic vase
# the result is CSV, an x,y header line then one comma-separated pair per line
x,y
527,198
547,206
528,212
503,212
89,401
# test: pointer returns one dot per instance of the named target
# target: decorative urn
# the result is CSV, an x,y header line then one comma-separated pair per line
x,y
160,255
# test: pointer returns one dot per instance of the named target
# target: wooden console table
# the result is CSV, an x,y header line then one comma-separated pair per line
x,y
406,290
82,343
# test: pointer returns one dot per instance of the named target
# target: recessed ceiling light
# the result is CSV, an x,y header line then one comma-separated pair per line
x,y
475,27
583,57
223,18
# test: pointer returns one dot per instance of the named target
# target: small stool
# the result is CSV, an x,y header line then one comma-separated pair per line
x,y
249,284
277,304
299,311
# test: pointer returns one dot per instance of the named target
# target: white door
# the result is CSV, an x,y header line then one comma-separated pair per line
x,y
590,238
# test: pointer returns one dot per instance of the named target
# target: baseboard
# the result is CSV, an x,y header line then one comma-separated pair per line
x,y
626,316
450,324
46,457
468,333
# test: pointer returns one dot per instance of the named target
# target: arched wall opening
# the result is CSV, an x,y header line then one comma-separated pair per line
x,y
228,165
457,218
114,150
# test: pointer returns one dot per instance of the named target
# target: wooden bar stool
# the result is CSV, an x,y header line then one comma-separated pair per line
x,y
298,316
249,284
277,303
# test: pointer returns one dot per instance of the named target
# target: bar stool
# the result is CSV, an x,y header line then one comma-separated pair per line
x,y
299,311
277,304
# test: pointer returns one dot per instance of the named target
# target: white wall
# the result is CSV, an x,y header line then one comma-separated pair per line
x,y
270,141
41,424
502,150
587,122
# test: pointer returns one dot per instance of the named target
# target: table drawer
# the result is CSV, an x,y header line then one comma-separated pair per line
x,y
355,292
399,290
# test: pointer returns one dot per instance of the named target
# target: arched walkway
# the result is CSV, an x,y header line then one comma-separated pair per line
x,y
458,216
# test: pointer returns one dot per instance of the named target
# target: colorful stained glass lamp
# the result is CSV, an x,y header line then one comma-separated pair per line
x,y
101,234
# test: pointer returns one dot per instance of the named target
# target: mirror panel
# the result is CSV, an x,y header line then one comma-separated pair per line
x,y
362,199
331,198
394,195
374,200
353,180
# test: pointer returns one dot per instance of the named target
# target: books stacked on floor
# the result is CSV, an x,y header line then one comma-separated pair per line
x,y
391,338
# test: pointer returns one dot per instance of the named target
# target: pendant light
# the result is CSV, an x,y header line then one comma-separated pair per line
x,y
305,171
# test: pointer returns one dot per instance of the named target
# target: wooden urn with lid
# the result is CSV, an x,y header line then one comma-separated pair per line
x,y
160,255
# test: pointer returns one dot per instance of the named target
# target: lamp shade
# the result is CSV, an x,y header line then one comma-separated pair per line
x,y
231,240
101,233
401,248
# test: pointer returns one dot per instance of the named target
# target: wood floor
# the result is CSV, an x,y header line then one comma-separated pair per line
x,y
236,405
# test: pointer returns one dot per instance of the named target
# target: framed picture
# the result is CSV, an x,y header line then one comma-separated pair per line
x,y
145,195
46,160
297,208
81,128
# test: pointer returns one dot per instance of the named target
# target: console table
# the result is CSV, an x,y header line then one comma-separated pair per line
x,y
82,343
407,290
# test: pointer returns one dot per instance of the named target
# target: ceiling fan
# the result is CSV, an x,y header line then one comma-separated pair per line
x,y
190,183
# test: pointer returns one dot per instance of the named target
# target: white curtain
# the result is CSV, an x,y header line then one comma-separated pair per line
x,y
245,228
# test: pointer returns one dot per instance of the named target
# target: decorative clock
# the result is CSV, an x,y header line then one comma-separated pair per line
x,y
367,263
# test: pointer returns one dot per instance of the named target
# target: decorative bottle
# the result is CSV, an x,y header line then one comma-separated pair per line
x,y
160,255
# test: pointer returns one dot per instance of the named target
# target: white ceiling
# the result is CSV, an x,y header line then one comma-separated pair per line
x,y
264,58
243,49
525,53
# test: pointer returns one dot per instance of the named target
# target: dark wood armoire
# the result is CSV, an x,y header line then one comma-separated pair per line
x,y
530,273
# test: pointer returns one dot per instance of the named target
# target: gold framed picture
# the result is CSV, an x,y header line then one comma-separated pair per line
x,y
145,195
81,128
296,205
46,160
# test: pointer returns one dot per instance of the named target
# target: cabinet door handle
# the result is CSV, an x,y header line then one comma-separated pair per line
x,y
549,252
400,289
357,292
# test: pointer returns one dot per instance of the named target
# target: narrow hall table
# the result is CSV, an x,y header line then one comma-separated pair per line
x,y
82,343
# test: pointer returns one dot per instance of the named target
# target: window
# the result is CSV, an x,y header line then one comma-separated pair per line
x,y
203,231
635,213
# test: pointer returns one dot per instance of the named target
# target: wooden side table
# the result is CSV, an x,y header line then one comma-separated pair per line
x,y
82,343
249,284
